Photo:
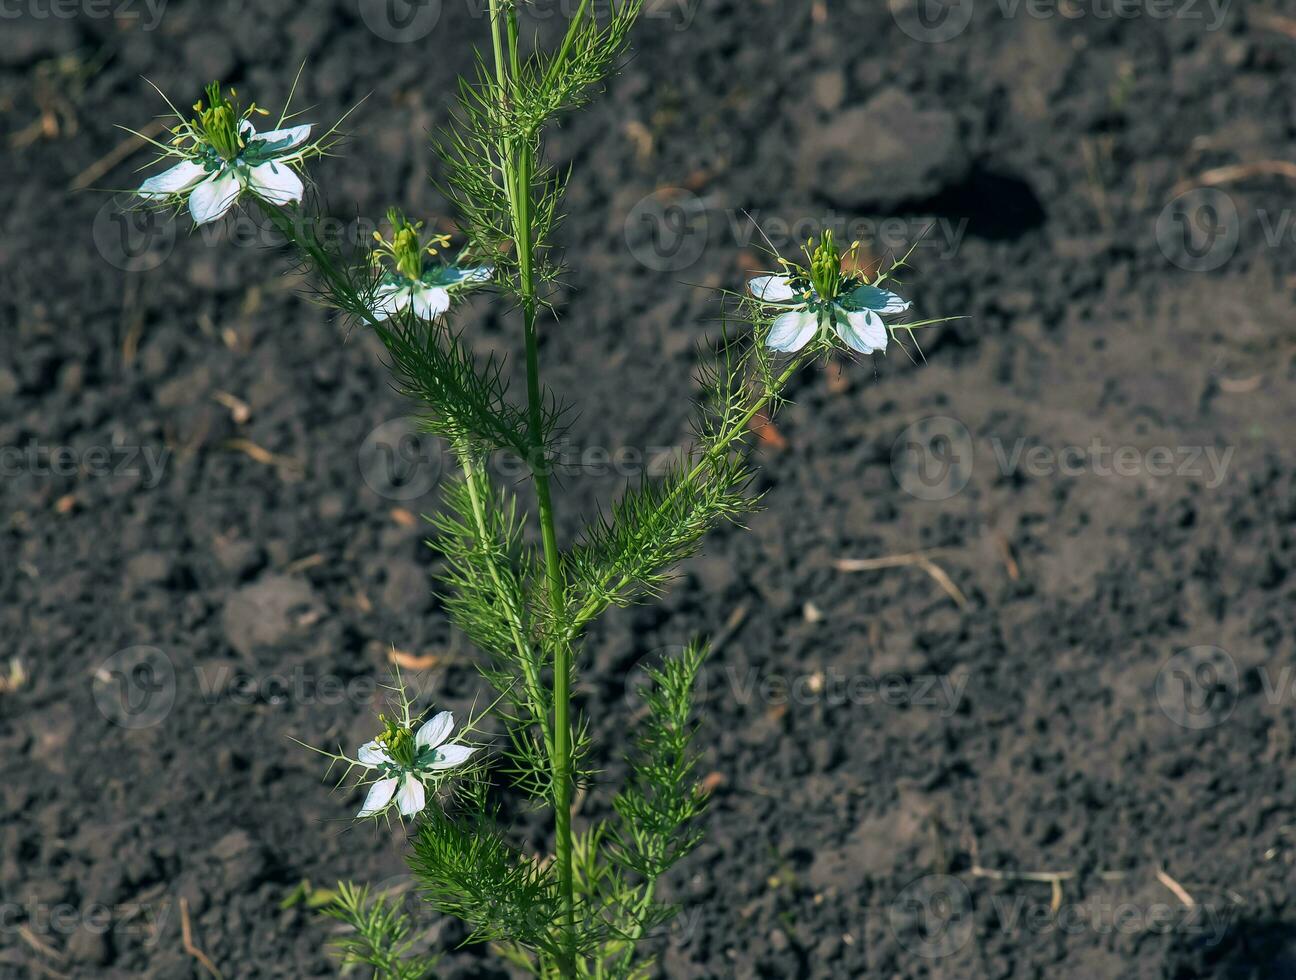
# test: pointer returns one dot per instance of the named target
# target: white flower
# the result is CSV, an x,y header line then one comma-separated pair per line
x,y
404,761
429,295
855,316
214,184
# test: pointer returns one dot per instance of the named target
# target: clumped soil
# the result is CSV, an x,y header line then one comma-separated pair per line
x,y
217,495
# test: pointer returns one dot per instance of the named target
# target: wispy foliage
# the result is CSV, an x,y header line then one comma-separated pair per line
x,y
492,157
463,401
380,938
662,799
467,869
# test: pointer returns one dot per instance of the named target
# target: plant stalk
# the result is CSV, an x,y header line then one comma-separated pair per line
x,y
518,157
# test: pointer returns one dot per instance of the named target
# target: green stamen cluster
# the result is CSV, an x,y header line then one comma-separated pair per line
x,y
407,248
218,123
825,267
398,742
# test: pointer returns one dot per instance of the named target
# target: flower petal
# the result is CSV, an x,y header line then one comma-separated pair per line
x,y
372,754
411,798
214,196
283,140
862,330
380,794
454,754
277,183
179,178
435,730
879,300
792,331
772,289
390,300
481,274
430,301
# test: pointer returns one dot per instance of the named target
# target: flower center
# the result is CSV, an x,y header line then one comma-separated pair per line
x,y
825,268
407,249
398,742
219,124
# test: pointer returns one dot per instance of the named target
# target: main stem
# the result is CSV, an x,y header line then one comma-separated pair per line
x,y
517,160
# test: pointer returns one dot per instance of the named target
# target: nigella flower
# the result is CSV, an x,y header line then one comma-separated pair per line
x,y
822,297
428,295
405,761
412,282
224,156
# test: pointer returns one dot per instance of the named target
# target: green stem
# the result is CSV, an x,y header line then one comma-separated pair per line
x,y
473,479
519,158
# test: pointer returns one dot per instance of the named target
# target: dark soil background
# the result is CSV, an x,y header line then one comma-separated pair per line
x,y
209,538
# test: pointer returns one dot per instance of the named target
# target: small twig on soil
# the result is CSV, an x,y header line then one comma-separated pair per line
x,y
915,559
1275,22
1052,878
1179,891
114,156
413,661
262,455
1006,552
1241,386
731,627
239,410
132,320
1096,188
15,678
641,136
44,969
1056,878
44,948
186,938
303,564
1235,172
